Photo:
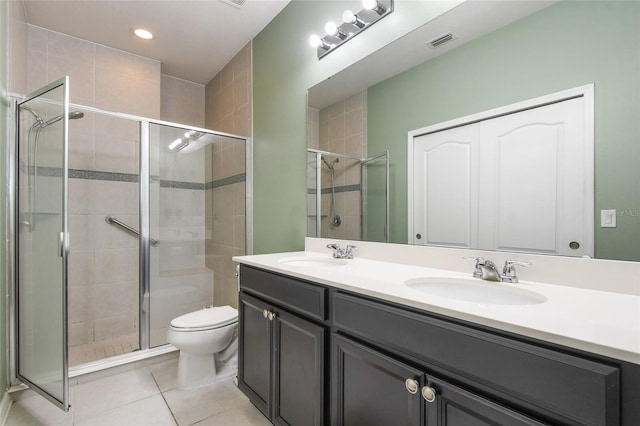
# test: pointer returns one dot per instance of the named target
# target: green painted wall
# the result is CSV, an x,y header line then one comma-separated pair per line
x,y
570,44
284,67
4,54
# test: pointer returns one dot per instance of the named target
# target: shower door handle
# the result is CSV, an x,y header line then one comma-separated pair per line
x,y
63,244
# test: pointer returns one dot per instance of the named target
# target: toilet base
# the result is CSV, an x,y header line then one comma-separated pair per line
x,y
195,371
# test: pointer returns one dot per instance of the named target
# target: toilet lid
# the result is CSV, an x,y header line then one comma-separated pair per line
x,y
209,317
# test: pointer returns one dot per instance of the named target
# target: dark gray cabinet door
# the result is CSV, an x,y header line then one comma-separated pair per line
x,y
254,353
299,371
369,388
453,406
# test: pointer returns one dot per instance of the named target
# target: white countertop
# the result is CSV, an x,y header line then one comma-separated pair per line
x,y
595,321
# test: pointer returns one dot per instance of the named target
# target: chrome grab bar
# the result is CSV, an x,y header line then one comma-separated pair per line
x,y
112,220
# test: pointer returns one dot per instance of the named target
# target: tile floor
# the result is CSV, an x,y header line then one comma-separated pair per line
x,y
89,352
139,397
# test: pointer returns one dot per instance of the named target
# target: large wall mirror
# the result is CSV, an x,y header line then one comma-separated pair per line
x,y
502,53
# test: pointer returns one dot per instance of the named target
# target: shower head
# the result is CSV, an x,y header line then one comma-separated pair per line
x,y
39,119
73,115
330,166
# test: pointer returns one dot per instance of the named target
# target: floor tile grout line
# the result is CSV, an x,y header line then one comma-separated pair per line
x,y
175,420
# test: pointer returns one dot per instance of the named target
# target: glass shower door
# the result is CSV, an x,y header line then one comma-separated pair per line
x,y
42,242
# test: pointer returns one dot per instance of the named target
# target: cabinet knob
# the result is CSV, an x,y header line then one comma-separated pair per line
x,y
412,386
265,313
272,315
428,393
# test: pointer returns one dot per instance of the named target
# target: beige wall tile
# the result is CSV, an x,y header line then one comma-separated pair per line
x,y
81,196
147,69
114,59
37,70
115,299
81,78
18,48
81,150
81,230
38,39
116,198
81,301
81,267
148,98
115,154
65,46
116,265
115,91
182,101
114,326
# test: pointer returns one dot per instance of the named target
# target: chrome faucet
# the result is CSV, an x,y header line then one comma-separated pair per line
x,y
487,270
341,253
509,270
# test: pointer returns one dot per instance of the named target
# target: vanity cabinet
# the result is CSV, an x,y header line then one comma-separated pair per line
x,y
281,349
375,389
311,354
500,375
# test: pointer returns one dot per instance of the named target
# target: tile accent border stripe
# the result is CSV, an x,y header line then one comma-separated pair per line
x,y
242,177
337,189
134,178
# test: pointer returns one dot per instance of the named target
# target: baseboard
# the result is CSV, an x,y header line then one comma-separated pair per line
x,y
5,406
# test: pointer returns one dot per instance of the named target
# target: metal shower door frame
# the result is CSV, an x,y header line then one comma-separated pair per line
x,y
17,382
63,402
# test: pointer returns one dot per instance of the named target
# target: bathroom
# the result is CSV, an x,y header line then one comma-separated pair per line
x,y
280,134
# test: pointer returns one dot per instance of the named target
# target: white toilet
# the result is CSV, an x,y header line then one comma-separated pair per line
x,y
205,338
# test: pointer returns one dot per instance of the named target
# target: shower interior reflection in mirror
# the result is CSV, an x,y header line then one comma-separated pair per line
x,y
347,196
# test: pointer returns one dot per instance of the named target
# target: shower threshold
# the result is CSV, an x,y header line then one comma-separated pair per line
x,y
136,356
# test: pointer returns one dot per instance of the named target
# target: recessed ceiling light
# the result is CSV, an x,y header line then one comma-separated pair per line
x,y
142,33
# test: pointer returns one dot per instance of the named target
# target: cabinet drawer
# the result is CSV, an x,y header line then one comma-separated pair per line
x,y
564,387
299,296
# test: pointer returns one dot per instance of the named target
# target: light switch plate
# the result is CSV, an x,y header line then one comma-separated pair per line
x,y
608,218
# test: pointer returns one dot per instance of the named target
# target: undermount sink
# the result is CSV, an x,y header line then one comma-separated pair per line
x,y
475,290
313,262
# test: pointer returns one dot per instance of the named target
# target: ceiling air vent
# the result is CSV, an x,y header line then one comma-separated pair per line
x,y
439,41
235,3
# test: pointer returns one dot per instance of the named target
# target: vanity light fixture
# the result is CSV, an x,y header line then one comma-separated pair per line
x,y
353,23
373,5
320,43
142,33
348,17
332,29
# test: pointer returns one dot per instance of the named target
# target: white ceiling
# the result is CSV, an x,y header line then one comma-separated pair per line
x,y
194,39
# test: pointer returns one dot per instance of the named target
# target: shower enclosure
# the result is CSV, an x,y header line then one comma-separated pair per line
x,y
347,197
120,224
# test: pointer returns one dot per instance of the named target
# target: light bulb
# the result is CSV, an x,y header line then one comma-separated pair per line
x,y
175,143
331,28
142,33
370,4
348,17
315,40
351,18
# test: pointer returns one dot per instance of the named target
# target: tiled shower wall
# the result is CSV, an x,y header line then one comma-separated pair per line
x,y
342,129
103,158
182,101
103,276
228,108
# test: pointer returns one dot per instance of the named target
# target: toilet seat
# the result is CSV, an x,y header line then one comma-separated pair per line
x,y
208,318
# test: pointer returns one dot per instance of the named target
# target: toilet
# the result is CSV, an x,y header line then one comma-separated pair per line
x,y
208,343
